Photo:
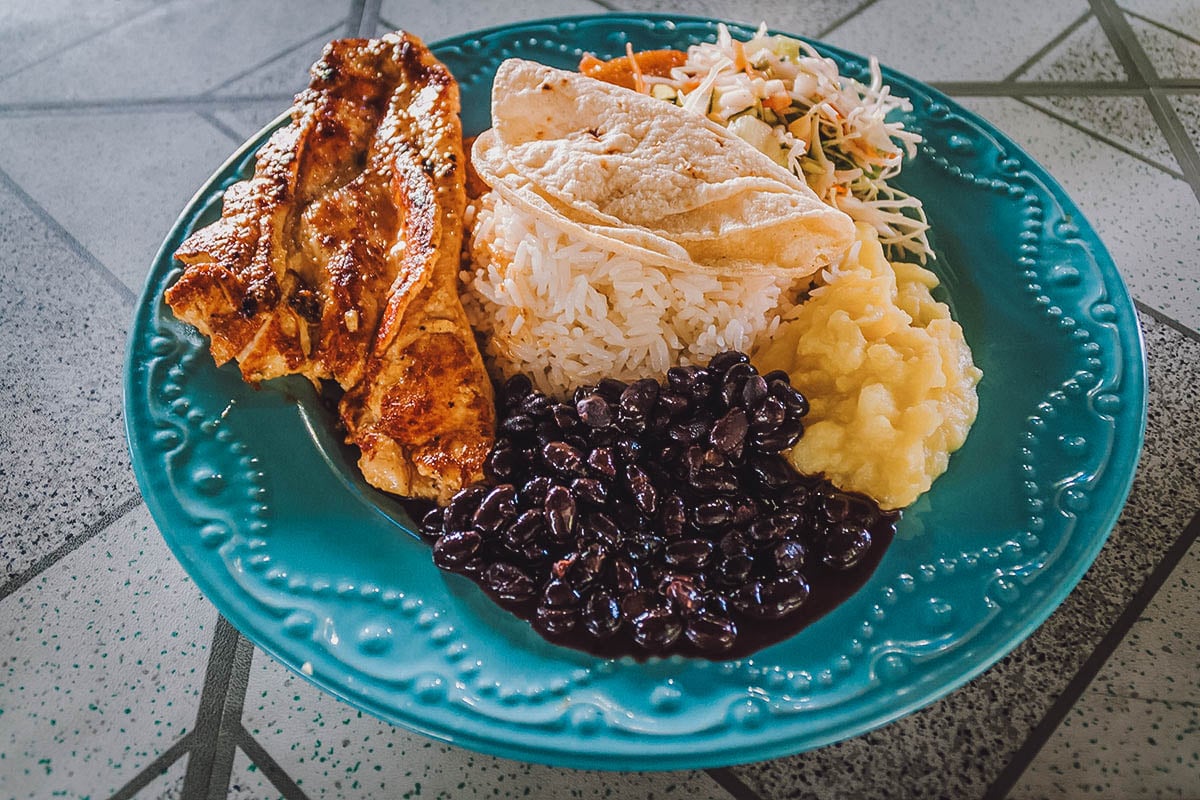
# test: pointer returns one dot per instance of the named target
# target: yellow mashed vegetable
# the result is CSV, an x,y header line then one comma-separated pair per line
x,y
887,373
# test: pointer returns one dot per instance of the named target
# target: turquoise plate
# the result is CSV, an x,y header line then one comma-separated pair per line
x,y
266,512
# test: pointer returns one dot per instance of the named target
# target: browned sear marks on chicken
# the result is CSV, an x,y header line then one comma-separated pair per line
x,y
338,260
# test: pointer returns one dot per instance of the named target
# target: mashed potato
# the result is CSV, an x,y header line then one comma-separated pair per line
x,y
886,371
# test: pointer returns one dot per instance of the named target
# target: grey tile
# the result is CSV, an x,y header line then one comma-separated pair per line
x,y
937,41
179,48
168,785
1171,55
433,21
807,19
1178,14
248,119
247,781
103,664
1156,243
285,74
115,181
1118,748
333,751
1085,55
1126,120
65,465
958,746
33,31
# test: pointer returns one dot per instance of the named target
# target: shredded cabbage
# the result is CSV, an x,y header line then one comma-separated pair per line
x,y
781,96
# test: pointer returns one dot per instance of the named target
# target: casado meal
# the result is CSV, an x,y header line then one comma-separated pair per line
x,y
713,391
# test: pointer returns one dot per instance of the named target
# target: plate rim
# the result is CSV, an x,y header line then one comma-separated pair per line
x,y
680,757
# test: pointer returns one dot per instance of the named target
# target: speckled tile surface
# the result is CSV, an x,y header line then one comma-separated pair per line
x,y
1187,106
1084,55
957,746
248,782
103,660
1143,702
62,394
1177,14
333,751
955,41
1121,120
177,48
131,176
1172,55
30,32
1166,276
168,785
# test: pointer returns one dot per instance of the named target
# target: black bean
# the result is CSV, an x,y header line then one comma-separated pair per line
x,y
497,509
711,633
564,416
642,548
723,361
462,506
636,404
629,450
656,629
611,388
502,461
601,615
560,513
509,583
456,548
692,555
624,576
594,411
533,493
525,529
680,591
754,391
672,404
590,490
835,506
713,513
518,424
768,415
778,376
684,380
598,526
772,529
771,599
432,522
641,488
771,470
721,481
603,462
734,570
789,556
555,621
672,515
729,433
515,389
564,457
536,405
845,545
560,594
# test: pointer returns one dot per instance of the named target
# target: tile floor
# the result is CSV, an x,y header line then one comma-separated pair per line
x,y
118,679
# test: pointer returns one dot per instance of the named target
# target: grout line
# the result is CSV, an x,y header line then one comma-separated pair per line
x,y
1161,26
1124,148
231,719
354,18
1047,47
322,35
1041,733
154,769
731,783
1117,28
370,18
103,272
197,782
842,20
213,120
1162,318
63,550
1035,89
269,766
389,24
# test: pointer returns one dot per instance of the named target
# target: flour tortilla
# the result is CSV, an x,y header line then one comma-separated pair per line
x,y
650,177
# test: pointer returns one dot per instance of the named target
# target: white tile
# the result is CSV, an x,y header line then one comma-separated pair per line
x,y
1145,217
168,785
32,31
1126,120
938,41
1116,748
104,659
433,21
333,751
1085,55
1187,106
1171,55
1178,14
804,19
116,182
177,49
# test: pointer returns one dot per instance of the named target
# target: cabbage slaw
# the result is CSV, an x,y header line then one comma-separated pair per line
x,y
780,95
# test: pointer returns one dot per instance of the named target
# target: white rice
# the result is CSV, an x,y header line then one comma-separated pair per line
x,y
568,314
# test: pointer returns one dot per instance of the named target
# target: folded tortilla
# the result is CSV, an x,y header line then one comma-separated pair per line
x,y
648,177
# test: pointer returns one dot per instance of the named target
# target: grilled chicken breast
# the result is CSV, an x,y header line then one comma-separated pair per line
x,y
338,260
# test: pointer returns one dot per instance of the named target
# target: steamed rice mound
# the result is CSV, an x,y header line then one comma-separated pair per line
x,y
887,372
568,312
